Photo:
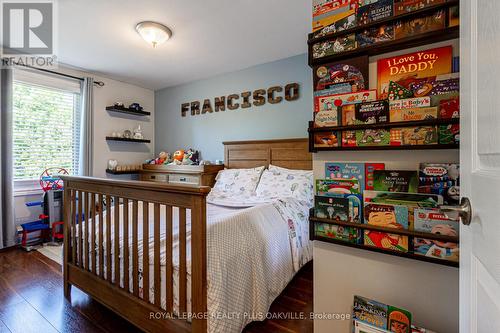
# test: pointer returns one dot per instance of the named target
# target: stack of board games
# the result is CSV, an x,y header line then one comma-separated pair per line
x,y
372,316
435,222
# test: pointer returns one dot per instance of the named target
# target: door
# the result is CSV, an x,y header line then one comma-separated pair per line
x,y
480,165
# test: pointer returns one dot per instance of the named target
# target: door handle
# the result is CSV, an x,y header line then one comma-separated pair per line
x,y
464,210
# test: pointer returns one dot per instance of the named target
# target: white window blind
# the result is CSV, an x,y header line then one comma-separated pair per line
x,y
46,124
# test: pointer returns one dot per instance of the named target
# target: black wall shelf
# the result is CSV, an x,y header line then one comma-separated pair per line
x,y
368,148
114,172
127,111
428,122
112,138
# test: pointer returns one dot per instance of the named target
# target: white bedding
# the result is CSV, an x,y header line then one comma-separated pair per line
x,y
252,254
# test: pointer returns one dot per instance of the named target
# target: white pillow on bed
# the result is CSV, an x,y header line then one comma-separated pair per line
x,y
238,181
284,183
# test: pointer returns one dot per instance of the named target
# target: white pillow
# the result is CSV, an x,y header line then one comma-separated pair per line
x,y
238,181
280,169
284,183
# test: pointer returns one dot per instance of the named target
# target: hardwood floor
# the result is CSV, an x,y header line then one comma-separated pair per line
x,y
31,300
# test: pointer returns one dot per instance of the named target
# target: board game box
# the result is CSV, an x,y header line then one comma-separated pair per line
x,y
330,187
411,27
372,137
353,71
399,320
421,64
375,11
411,136
374,35
370,312
449,134
435,222
369,171
333,208
395,181
327,139
346,234
349,139
413,114
442,179
410,103
405,6
337,45
372,112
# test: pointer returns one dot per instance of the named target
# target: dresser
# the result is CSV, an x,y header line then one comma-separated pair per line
x,y
197,175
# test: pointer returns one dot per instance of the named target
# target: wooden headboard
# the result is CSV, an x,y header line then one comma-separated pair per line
x,y
286,153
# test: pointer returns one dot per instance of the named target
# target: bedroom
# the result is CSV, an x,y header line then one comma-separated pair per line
x,y
243,158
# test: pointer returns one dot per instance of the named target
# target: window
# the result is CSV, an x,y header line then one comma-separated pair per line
x,y
46,125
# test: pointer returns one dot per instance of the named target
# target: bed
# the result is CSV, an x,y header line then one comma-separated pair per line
x,y
217,267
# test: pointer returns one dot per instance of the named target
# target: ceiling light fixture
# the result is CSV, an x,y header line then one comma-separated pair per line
x,y
153,32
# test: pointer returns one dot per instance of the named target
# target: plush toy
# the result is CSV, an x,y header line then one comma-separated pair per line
x,y
163,157
179,155
190,157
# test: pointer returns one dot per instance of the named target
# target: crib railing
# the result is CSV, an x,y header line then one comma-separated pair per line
x,y
104,257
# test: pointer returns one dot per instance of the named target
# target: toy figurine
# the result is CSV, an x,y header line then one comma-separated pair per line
x,y
179,155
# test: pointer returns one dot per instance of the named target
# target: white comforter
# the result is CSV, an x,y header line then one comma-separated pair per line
x,y
253,253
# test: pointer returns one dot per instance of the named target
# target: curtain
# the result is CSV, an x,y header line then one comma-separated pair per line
x,y
87,129
7,226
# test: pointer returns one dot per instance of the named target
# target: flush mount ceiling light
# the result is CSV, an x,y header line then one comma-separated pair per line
x,y
153,32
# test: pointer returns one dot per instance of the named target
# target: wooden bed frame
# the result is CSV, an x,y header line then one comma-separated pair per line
x,y
83,197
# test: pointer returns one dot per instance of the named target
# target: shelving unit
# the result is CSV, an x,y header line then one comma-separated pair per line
x,y
112,138
127,111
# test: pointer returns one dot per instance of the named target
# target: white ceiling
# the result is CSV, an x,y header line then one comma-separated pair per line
x,y
210,37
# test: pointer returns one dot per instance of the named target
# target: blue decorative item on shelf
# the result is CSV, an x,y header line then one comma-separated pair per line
x,y
135,106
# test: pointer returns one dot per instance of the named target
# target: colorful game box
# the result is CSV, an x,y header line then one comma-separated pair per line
x,y
370,312
442,179
413,136
411,27
405,6
337,45
399,320
372,137
413,114
435,222
395,181
387,216
421,64
327,139
346,234
349,139
375,11
449,134
353,71
331,187
410,103
372,112
374,35
369,171
333,208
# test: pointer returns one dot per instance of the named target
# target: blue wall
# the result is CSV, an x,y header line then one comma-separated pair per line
x,y
206,132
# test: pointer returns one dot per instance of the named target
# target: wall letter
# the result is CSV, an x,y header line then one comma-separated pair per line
x,y
246,99
230,104
292,92
184,109
220,103
207,107
195,108
258,97
270,95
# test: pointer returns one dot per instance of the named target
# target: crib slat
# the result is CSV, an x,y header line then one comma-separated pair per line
x,y
80,229
116,256
108,238
145,251
135,249
93,231
169,287
126,274
73,227
182,260
101,238
86,233
157,286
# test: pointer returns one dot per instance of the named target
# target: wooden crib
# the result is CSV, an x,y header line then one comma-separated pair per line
x,y
101,278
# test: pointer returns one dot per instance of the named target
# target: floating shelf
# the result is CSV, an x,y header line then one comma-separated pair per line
x,y
429,122
409,15
408,233
112,138
113,172
390,46
415,147
127,111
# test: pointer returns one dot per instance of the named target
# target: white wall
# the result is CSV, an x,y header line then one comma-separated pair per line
x,y
427,290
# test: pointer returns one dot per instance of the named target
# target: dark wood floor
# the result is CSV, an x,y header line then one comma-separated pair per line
x,y
31,300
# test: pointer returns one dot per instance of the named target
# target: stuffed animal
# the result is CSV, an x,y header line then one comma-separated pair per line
x,y
190,157
163,157
179,155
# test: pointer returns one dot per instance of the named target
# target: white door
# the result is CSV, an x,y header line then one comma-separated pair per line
x,y
480,165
